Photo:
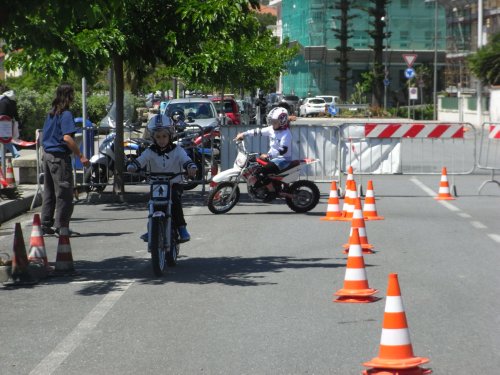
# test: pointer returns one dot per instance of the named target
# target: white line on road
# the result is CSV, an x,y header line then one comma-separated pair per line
x,y
50,363
478,225
494,237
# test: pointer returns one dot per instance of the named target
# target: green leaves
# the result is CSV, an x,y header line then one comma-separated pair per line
x,y
485,63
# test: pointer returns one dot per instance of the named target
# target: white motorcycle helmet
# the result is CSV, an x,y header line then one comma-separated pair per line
x,y
278,117
158,122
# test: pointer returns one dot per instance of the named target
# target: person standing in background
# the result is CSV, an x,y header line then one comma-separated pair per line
x,y
58,145
8,107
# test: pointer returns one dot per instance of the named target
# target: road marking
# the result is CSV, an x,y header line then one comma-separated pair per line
x,y
478,225
52,361
494,237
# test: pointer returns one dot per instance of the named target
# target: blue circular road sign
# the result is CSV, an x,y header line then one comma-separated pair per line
x,y
409,73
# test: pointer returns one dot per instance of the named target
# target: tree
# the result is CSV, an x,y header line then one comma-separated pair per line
x,y
343,35
378,14
485,63
56,37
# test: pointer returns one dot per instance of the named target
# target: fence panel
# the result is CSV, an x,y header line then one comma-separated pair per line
x,y
489,151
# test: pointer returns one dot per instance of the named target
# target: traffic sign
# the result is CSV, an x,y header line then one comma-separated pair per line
x,y
387,82
409,73
410,59
413,93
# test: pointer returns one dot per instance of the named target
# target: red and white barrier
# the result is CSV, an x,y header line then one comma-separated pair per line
x,y
414,130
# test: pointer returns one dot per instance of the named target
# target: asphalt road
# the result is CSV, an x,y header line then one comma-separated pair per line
x,y
253,290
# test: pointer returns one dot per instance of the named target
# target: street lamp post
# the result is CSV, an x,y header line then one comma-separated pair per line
x,y
434,87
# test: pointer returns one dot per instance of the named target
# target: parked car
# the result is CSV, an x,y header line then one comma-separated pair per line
x,y
329,99
231,108
201,111
312,107
293,102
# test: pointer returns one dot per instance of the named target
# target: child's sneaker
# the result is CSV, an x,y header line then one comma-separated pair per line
x,y
183,234
144,237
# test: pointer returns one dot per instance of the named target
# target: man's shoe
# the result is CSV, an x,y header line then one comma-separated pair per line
x,y
48,231
70,233
144,237
183,234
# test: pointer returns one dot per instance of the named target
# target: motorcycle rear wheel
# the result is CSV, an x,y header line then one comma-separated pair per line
x,y
218,201
305,196
157,243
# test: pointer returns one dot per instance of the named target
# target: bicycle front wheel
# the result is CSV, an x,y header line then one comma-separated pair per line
x,y
157,244
174,248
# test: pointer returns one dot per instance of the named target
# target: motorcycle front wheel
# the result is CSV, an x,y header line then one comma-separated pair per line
x,y
219,200
305,196
157,245
173,253
95,178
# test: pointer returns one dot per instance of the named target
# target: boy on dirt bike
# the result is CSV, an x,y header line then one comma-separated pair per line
x,y
279,155
165,156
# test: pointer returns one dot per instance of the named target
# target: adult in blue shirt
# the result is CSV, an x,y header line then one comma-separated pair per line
x,y
58,144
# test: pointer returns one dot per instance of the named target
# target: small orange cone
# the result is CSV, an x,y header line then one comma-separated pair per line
x,y
213,171
396,352
359,223
350,197
64,258
356,289
444,187
38,253
9,175
369,208
350,177
333,210
3,181
20,272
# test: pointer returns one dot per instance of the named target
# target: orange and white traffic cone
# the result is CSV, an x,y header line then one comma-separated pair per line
x,y
333,209
213,171
38,254
356,289
350,177
64,257
350,197
396,352
3,181
21,274
359,222
369,208
444,187
9,175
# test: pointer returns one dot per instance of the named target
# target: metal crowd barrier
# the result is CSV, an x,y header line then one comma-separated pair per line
x,y
489,151
371,148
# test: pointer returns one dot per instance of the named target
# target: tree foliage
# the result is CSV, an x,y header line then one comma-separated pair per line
x,y
485,63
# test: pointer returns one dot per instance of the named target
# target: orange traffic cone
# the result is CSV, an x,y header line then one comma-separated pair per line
x,y
333,210
37,254
444,187
3,181
369,208
9,175
396,352
20,272
213,171
350,197
359,223
64,258
356,289
350,177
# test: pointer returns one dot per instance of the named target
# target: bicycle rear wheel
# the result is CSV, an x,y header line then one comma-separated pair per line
x,y
157,243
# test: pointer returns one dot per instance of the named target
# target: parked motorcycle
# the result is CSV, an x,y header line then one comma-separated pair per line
x,y
202,144
102,167
300,195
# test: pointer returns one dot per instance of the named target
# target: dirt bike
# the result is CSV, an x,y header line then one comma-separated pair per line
x,y
300,195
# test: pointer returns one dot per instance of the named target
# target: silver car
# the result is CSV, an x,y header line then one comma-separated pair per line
x,y
199,110
312,107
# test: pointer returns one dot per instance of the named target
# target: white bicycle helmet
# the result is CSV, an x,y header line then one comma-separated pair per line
x,y
278,116
160,122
